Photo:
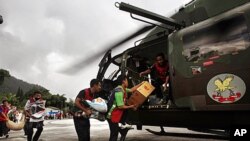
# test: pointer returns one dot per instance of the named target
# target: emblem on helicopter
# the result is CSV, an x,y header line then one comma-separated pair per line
x,y
226,88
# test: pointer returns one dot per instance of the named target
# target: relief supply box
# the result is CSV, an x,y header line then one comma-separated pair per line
x,y
141,94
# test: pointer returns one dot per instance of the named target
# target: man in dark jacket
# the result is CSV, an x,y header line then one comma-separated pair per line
x,y
81,120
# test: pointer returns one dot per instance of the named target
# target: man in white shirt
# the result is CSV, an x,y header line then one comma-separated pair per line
x,y
35,111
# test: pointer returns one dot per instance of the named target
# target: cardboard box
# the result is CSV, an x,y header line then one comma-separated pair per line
x,y
141,94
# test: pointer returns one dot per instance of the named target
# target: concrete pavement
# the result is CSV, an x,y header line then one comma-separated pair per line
x,y
63,130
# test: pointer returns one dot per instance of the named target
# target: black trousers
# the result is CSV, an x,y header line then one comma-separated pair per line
x,y
157,84
26,128
82,126
29,130
115,130
3,128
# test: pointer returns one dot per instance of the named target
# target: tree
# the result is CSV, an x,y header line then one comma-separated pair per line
x,y
3,73
12,99
20,94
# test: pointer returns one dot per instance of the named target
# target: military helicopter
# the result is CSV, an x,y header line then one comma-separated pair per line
x,y
207,46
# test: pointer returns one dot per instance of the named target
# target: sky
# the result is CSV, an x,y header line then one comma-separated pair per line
x,y
39,38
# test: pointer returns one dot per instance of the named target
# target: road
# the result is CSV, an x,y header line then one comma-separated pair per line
x,y
63,130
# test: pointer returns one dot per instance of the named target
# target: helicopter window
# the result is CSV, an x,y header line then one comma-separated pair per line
x,y
112,71
118,60
134,66
227,36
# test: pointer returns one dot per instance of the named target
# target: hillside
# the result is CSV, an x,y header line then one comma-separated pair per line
x,y
11,84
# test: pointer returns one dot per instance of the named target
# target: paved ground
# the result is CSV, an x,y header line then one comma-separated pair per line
x,y
63,130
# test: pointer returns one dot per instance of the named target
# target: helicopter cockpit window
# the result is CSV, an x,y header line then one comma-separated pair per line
x,y
112,71
227,36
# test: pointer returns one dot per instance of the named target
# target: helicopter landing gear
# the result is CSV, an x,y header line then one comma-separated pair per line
x,y
162,132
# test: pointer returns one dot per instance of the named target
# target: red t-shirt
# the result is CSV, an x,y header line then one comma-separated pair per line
x,y
4,110
85,95
161,71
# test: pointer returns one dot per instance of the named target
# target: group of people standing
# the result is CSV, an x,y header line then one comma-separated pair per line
x,y
7,112
82,123
35,106
117,113
34,111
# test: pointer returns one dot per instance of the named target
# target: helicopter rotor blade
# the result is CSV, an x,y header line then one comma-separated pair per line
x,y
137,33
79,65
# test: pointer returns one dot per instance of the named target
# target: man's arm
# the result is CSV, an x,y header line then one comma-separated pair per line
x,y
145,72
3,115
27,108
80,106
166,83
120,103
126,107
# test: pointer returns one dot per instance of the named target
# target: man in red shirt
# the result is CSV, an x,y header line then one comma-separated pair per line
x,y
4,109
161,70
82,123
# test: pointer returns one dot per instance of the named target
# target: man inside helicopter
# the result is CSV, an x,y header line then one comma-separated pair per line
x,y
160,71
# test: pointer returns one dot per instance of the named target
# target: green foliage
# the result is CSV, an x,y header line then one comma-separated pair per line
x,y
3,73
19,99
17,92
10,97
70,104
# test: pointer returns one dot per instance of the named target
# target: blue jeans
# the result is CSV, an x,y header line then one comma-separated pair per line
x,y
82,126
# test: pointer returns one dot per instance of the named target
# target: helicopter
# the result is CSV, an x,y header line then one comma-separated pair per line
x,y
206,43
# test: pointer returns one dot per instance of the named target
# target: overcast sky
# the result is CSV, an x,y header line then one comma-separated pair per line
x,y
40,37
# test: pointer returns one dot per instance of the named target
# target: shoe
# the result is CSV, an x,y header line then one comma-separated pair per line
x,y
126,126
6,136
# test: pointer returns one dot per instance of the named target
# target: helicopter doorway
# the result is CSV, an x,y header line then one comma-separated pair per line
x,y
140,59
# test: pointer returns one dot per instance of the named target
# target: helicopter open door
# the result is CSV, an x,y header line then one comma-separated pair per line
x,y
109,69
103,65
